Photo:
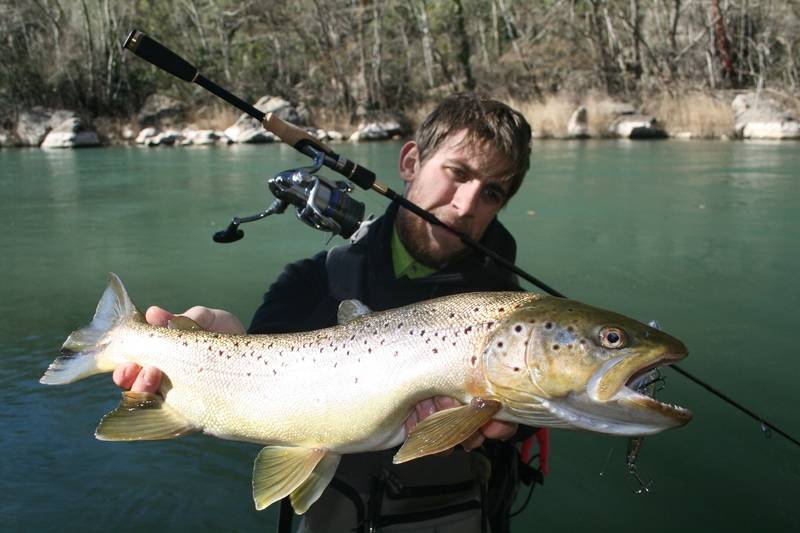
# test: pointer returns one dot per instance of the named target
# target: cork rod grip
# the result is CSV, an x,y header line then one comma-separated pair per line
x,y
292,135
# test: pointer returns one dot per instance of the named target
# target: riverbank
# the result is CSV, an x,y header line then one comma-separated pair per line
x,y
165,121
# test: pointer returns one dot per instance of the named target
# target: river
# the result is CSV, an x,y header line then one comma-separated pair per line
x,y
702,236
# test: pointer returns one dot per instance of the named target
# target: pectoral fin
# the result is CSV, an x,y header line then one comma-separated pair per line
x,y
280,470
142,416
311,489
445,429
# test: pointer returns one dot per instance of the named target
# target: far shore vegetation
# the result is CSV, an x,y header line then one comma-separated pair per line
x,y
681,61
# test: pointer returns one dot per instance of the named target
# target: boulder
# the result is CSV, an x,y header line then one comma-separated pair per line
x,y
70,134
34,125
202,137
145,135
5,139
637,127
248,130
334,135
158,109
166,138
578,126
378,128
284,110
760,117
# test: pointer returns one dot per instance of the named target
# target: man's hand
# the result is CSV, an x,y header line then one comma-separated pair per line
x,y
494,429
133,377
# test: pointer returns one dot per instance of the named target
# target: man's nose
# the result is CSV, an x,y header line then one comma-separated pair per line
x,y
466,197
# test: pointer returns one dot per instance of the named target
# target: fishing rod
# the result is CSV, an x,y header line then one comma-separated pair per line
x,y
326,206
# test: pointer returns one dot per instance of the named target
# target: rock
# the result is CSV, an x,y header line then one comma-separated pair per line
x,y
70,134
378,128
334,135
158,109
128,133
760,117
33,125
167,138
201,137
145,135
637,127
5,139
684,135
578,126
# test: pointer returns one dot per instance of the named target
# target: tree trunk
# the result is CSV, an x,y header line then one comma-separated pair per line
x,y
723,45
463,46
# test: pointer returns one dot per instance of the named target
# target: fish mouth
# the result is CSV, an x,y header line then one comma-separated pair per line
x,y
638,390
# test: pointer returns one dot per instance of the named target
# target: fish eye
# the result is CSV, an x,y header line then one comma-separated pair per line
x,y
613,338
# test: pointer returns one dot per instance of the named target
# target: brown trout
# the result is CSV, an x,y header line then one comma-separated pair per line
x,y
311,397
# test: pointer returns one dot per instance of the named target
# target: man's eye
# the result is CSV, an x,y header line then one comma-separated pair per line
x,y
493,195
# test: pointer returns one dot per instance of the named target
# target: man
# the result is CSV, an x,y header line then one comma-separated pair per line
x,y
466,161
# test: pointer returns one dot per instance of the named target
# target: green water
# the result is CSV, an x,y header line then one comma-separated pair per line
x,y
702,236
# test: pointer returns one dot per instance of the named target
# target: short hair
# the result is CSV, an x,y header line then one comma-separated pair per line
x,y
485,121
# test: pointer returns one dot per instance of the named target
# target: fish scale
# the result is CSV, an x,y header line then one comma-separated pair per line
x,y
312,396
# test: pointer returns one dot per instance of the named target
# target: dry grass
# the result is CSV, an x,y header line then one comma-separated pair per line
x,y
548,117
700,114
213,117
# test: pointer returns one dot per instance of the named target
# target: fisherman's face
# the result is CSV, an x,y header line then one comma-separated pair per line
x,y
464,184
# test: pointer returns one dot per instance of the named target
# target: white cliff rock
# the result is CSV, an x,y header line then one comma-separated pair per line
x,y
578,126
760,117
70,134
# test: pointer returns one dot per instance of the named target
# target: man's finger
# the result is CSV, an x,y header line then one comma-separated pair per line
x,y
473,441
424,409
125,375
158,316
497,429
148,380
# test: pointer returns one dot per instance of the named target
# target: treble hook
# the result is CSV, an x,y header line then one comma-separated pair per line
x,y
644,488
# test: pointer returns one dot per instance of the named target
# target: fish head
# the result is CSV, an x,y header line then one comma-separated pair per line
x,y
562,363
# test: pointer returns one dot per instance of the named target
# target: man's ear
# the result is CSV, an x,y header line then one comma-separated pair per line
x,y
409,161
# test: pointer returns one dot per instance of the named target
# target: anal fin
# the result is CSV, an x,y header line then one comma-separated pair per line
x,y
445,429
280,470
142,416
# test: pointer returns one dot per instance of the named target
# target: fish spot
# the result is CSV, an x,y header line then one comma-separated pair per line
x,y
489,325
396,353
500,344
221,352
518,328
467,329
473,360
452,315
199,369
335,364
258,358
548,325
209,347
475,310
532,321
570,329
356,380
236,344
421,333
516,369
274,372
248,374
583,341
501,310
151,335
454,343
435,350
556,346
320,350
569,346
216,335
185,343
369,350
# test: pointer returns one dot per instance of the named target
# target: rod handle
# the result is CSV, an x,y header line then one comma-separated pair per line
x,y
159,55
292,135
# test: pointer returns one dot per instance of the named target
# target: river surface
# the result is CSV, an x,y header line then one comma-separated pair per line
x,y
702,236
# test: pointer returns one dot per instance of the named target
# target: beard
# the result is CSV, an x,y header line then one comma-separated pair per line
x,y
432,246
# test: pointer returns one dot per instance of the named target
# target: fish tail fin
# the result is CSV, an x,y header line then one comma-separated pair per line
x,y
82,354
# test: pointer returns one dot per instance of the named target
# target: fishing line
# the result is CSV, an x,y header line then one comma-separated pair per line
x,y
162,57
